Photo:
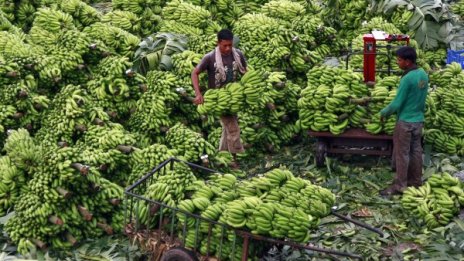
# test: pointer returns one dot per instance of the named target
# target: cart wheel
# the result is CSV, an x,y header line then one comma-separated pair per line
x,y
321,153
178,254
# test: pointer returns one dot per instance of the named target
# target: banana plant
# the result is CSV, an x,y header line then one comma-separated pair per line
x,y
431,24
155,52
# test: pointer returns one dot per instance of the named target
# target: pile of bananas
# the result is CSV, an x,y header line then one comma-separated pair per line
x,y
263,197
283,44
66,200
437,201
444,118
328,101
276,204
336,99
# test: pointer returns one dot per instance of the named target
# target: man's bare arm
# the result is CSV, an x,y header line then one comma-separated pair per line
x,y
196,86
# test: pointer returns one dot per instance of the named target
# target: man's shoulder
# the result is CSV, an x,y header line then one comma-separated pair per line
x,y
209,55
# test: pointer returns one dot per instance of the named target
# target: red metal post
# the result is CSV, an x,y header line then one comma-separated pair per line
x,y
369,57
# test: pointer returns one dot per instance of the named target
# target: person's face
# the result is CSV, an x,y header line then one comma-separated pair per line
x,y
225,46
402,63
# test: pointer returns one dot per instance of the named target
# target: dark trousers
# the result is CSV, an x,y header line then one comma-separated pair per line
x,y
407,154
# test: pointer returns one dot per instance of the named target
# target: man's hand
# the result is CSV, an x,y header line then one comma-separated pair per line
x,y
198,99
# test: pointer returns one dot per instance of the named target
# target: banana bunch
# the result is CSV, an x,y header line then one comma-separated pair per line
x,y
186,13
22,150
114,38
116,87
149,12
83,14
112,82
143,160
218,188
156,107
202,43
239,213
30,221
125,20
27,103
6,112
188,144
106,147
140,6
444,142
184,63
223,101
24,15
106,137
109,162
109,196
14,45
345,16
67,115
226,12
450,77
177,180
7,10
450,122
269,33
159,192
290,223
400,17
285,10
13,181
327,75
191,206
437,201
435,58
250,123
237,96
458,8
53,21
9,71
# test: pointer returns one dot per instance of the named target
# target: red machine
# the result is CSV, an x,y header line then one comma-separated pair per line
x,y
370,51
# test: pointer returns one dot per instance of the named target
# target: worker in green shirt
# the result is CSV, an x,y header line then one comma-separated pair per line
x,y
409,106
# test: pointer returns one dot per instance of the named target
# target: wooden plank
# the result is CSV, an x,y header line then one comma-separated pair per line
x,y
352,133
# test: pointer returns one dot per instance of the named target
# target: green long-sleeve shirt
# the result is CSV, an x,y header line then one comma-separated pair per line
x,y
409,103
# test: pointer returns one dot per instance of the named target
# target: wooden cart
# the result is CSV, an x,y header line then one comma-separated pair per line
x,y
352,141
